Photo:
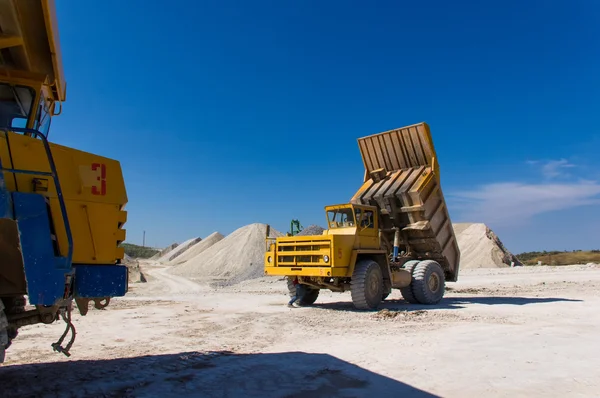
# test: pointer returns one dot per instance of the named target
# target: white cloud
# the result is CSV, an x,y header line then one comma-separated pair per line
x,y
514,203
552,169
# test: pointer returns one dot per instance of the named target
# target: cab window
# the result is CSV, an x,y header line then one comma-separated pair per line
x,y
16,104
368,219
341,218
365,218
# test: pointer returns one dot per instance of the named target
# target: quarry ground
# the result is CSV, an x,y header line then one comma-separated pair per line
x,y
520,332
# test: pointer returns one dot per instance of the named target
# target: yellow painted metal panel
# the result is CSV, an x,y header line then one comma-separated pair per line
x,y
9,178
94,193
306,271
83,176
304,252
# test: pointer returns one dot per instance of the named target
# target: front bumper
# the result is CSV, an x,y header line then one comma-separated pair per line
x,y
307,271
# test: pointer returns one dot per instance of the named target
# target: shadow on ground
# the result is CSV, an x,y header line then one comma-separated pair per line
x,y
194,374
448,303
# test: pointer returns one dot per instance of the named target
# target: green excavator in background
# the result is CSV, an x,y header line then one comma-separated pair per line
x,y
295,228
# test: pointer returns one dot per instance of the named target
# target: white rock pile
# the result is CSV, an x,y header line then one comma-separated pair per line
x,y
233,259
195,250
481,248
178,250
164,251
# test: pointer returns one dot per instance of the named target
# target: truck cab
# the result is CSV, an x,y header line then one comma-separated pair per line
x,y
361,217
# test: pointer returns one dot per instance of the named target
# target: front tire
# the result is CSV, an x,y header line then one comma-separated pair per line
x,y
310,293
310,296
366,285
428,284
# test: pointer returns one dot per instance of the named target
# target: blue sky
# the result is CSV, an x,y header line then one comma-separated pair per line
x,y
233,112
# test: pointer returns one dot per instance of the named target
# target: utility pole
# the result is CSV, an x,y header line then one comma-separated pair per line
x,y
144,240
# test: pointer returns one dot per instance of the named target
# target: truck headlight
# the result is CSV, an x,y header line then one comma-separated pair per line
x,y
269,259
326,258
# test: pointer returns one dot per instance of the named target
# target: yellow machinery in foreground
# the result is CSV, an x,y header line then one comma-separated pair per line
x,y
61,209
394,234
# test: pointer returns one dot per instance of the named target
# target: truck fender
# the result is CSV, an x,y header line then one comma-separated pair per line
x,y
379,257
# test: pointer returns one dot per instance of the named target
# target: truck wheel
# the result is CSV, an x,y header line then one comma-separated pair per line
x,y
366,285
428,283
291,287
310,295
407,292
3,333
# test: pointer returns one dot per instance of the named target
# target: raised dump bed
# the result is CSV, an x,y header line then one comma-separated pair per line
x,y
402,179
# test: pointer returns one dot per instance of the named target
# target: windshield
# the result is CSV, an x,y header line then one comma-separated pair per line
x,y
340,218
16,103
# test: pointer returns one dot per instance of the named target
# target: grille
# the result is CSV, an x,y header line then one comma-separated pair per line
x,y
303,253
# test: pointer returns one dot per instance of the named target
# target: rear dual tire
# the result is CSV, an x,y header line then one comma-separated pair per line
x,y
427,285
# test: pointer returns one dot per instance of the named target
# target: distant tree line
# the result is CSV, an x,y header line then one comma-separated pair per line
x,y
556,257
136,251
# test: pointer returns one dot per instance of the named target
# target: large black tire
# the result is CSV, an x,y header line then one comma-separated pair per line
x,y
291,287
407,292
428,284
366,285
3,333
310,293
310,296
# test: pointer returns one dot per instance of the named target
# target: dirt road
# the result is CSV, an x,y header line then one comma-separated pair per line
x,y
523,332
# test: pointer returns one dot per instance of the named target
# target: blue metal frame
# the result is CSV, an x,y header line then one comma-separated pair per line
x,y
45,274
93,281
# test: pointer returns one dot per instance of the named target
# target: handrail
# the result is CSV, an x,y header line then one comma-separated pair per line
x,y
53,174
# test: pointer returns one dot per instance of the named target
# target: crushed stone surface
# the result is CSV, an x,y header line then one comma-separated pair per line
x,y
498,332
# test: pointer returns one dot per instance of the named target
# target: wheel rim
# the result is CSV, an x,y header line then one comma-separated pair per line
x,y
372,287
433,282
373,281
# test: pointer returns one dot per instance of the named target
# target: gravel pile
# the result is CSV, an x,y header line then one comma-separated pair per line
x,y
481,248
197,249
177,251
236,258
311,230
164,251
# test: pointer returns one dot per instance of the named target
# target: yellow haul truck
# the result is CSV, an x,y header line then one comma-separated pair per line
x,y
61,210
394,234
